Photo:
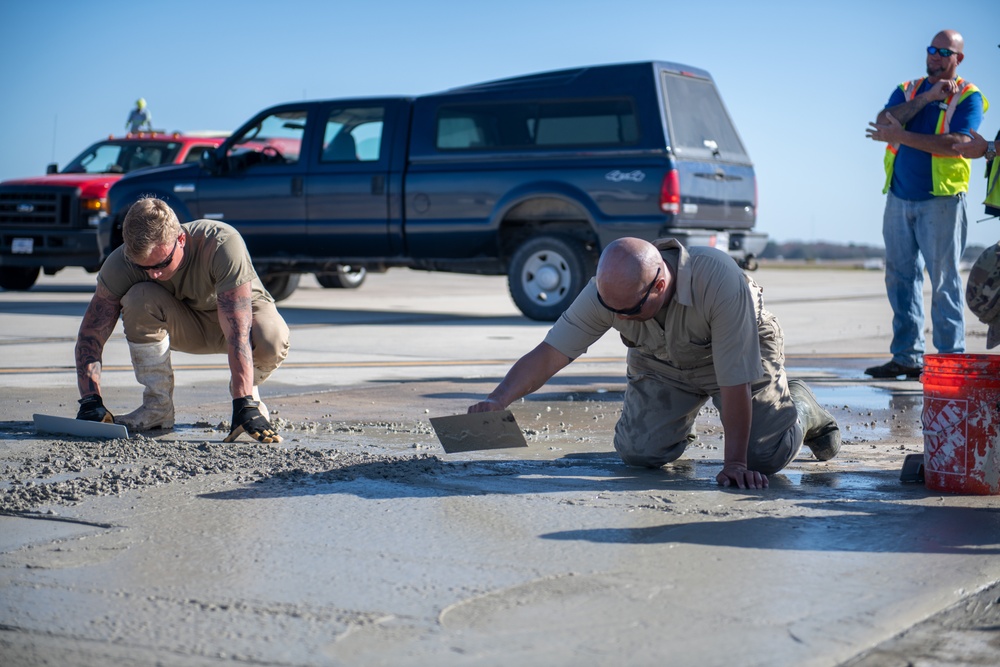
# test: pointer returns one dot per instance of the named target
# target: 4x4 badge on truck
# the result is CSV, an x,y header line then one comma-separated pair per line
x,y
616,176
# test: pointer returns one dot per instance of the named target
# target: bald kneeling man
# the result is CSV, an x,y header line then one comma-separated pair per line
x,y
696,329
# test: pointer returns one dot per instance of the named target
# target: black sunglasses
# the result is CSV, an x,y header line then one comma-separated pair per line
x,y
159,265
638,306
944,53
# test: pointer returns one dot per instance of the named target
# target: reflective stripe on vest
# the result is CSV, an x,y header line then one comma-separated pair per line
x,y
949,174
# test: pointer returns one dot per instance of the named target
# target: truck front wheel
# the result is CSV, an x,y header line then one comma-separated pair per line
x,y
345,277
18,278
280,285
546,274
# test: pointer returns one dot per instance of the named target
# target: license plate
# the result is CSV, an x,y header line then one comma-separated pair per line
x,y
22,246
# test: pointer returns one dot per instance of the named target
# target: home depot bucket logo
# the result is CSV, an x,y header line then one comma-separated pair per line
x,y
945,435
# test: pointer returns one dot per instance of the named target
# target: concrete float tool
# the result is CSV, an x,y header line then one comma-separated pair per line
x,y
478,430
80,427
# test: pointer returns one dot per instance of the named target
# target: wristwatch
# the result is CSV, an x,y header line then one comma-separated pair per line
x,y
991,150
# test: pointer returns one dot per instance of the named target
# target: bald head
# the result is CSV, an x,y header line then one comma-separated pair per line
x,y
628,263
943,67
632,271
954,38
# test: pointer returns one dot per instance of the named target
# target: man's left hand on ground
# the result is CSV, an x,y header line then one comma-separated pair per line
x,y
248,419
734,474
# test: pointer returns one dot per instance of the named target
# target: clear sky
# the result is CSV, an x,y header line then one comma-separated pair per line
x,y
801,79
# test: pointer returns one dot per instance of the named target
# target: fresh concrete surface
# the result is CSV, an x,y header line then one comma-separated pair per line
x,y
357,541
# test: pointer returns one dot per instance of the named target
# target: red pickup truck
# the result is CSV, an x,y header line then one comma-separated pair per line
x,y
50,222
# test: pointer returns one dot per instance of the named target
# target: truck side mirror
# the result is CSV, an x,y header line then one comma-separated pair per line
x,y
211,160
52,168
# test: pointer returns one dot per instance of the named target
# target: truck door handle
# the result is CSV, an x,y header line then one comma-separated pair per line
x,y
378,184
296,186
718,176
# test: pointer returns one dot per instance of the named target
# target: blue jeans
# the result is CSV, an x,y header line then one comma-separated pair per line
x,y
932,231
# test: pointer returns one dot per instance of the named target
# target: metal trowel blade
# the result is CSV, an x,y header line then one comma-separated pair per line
x,y
80,427
479,430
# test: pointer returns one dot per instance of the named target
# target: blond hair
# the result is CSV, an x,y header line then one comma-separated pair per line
x,y
149,223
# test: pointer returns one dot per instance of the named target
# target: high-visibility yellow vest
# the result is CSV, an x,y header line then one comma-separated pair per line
x,y
992,200
949,174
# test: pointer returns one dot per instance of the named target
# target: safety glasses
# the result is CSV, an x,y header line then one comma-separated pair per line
x,y
159,265
642,302
944,53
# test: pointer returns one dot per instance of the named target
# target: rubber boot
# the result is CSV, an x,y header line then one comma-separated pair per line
x,y
821,433
151,362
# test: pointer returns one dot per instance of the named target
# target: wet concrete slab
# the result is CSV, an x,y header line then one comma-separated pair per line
x,y
358,541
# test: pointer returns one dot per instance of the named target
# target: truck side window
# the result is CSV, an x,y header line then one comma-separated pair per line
x,y
587,123
353,134
541,124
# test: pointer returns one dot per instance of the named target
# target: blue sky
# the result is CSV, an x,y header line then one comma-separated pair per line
x,y
801,79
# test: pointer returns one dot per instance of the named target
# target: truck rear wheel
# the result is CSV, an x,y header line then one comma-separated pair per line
x,y
546,273
280,285
345,277
18,278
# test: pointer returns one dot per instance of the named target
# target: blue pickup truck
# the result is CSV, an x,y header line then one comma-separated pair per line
x,y
528,177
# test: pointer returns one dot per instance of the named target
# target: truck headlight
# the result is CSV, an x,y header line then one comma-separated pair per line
x,y
94,210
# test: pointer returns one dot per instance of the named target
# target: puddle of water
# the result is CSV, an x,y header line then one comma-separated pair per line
x,y
868,397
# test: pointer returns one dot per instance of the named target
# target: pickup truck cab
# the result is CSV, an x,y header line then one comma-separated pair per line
x,y
527,177
50,222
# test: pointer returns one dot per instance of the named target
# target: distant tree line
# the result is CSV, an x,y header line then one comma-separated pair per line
x,y
823,250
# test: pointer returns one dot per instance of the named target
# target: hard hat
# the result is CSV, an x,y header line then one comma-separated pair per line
x,y
141,103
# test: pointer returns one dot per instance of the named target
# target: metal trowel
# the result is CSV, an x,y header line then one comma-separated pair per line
x,y
478,430
80,427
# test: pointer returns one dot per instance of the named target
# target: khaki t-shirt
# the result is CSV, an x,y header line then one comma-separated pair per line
x,y
712,319
215,260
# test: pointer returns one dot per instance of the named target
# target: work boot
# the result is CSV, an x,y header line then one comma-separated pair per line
x,y
151,362
893,370
821,433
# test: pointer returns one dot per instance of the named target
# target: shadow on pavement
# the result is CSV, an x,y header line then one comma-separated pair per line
x,y
877,527
299,316
74,308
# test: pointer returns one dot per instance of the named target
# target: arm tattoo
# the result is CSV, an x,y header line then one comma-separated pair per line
x,y
95,330
235,317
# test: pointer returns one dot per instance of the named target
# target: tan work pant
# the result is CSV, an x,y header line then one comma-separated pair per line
x,y
150,312
661,404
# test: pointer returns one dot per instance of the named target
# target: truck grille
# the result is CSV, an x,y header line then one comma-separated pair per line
x,y
36,207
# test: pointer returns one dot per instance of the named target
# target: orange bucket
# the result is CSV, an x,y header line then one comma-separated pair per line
x,y
961,423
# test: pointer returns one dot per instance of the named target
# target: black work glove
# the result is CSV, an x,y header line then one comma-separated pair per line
x,y
92,410
248,419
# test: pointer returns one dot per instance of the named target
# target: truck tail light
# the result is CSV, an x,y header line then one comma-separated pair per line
x,y
670,193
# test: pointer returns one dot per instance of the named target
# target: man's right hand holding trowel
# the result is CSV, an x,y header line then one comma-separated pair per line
x,y
92,409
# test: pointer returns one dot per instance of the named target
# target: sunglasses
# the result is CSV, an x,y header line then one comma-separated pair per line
x,y
944,53
638,306
159,265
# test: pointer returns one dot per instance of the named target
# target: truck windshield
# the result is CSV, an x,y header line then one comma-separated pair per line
x,y
277,137
110,157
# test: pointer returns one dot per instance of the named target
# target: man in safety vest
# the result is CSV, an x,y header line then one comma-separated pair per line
x,y
925,221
